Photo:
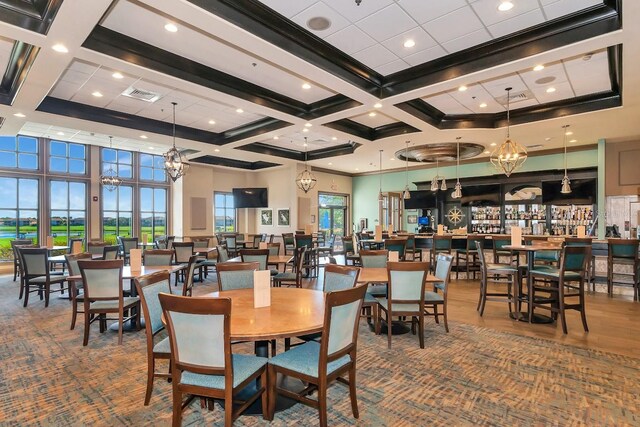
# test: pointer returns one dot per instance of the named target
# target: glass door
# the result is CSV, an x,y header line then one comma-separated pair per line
x,y
332,214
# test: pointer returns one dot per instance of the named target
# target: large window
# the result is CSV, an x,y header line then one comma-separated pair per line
x,y
119,160
332,213
18,212
67,157
153,212
117,213
18,152
225,212
68,211
152,168
391,211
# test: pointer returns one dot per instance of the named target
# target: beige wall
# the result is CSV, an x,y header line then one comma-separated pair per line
x,y
621,168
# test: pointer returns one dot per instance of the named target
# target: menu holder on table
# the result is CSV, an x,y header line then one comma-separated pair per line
x,y
263,245
581,230
135,259
144,237
76,248
378,235
516,236
261,288
440,229
394,256
49,242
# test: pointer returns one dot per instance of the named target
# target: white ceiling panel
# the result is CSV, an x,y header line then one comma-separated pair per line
x,y
392,67
423,11
510,26
564,7
351,39
488,11
375,56
295,140
373,122
126,16
467,41
361,11
419,36
453,25
425,55
321,9
447,104
289,8
589,76
387,23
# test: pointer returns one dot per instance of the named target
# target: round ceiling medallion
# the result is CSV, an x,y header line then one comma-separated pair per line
x,y
442,152
318,23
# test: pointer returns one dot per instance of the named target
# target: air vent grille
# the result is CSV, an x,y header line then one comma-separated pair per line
x,y
188,151
534,146
515,97
141,94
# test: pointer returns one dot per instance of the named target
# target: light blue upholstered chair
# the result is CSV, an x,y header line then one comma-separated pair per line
x,y
157,257
187,284
128,243
223,254
103,295
110,252
261,256
292,278
149,287
405,296
201,358
375,259
37,277
396,245
75,285
236,275
438,297
321,363
490,273
231,242
183,252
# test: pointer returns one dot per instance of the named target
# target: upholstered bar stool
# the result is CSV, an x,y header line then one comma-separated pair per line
x,y
441,245
509,295
623,252
469,255
499,242
591,262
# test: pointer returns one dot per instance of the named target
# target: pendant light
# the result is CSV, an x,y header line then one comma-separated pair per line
x,y
305,179
457,193
435,179
175,163
510,156
406,195
566,184
380,198
110,179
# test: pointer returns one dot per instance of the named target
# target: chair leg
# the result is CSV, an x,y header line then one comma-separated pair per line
x,y
74,313
120,325
228,410
26,293
272,390
322,404
151,368
176,419
444,315
47,291
457,264
264,381
389,330
421,329
85,339
352,391
583,311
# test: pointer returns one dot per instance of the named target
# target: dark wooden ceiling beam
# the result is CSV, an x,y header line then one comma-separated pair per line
x,y
20,61
233,163
293,154
32,15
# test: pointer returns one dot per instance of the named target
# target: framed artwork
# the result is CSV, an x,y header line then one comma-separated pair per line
x,y
412,219
266,216
283,218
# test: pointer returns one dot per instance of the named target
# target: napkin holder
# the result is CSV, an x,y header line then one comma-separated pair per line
x,y
394,256
263,245
49,242
76,248
440,229
516,236
378,234
135,259
261,288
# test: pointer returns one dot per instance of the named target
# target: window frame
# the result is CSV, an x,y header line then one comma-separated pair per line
x,y
139,168
134,164
48,156
38,154
38,209
235,213
87,206
153,212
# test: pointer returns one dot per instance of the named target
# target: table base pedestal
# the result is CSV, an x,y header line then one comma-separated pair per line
x,y
128,326
523,316
397,328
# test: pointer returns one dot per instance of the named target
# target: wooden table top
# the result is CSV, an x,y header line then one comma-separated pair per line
x,y
532,248
292,312
273,259
204,250
128,274
379,275
61,258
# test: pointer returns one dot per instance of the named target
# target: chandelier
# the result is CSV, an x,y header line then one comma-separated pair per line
x,y
510,156
175,163
566,184
406,195
436,179
305,179
457,193
109,178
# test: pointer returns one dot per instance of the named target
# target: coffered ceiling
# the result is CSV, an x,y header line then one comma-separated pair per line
x,y
252,79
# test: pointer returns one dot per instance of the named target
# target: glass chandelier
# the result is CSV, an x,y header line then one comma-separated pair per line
x,y
406,195
457,193
510,156
175,163
305,179
109,178
566,184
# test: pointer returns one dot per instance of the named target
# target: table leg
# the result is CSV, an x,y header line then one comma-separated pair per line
x,y
524,315
129,325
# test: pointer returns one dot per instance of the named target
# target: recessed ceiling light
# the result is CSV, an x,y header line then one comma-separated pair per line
x,y
60,133
483,105
409,43
538,67
143,136
117,75
547,138
493,144
217,150
573,140
308,125
568,133
305,145
60,48
212,122
551,90
19,115
151,148
275,137
306,86
239,110
372,114
487,152
172,28
392,158
330,163
97,94
357,169
505,5
305,130
334,138
462,88
318,23
377,105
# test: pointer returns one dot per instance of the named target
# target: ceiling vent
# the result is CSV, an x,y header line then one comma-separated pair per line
x,y
188,151
534,146
516,97
141,94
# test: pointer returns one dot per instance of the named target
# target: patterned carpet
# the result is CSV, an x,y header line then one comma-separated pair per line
x,y
470,376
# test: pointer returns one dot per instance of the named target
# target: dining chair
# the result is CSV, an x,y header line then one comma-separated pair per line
x,y
489,272
294,277
149,287
559,284
187,284
223,255
434,299
289,243
103,295
18,262
110,252
232,247
183,252
319,364
416,253
311,259
499,242
374,258
96,248
205,366
256,239
591,265
396,245
16,257
274,250
236,275
405,297
623,252
127,243
75,285
261,256
155,257
200,243
543,259
35,266
441,245
160,243
469,254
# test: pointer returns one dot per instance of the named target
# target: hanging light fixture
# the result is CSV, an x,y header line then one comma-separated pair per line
x,y
406,195
435,186
305,179
110,179
443,187
380,198
510,156
566,184
175,163
457,193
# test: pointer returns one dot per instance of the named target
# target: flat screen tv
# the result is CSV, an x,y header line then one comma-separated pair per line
x,y
480,195
251,197
583,192
421,199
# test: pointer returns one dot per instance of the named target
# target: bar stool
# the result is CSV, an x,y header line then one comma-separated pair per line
x,y
513,283
441,245
499,242
623,252
469,255
591,262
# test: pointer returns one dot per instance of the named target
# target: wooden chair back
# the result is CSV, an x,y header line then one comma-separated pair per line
x,y
236,275
339,277
374,258
261,256
183,251
158,257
